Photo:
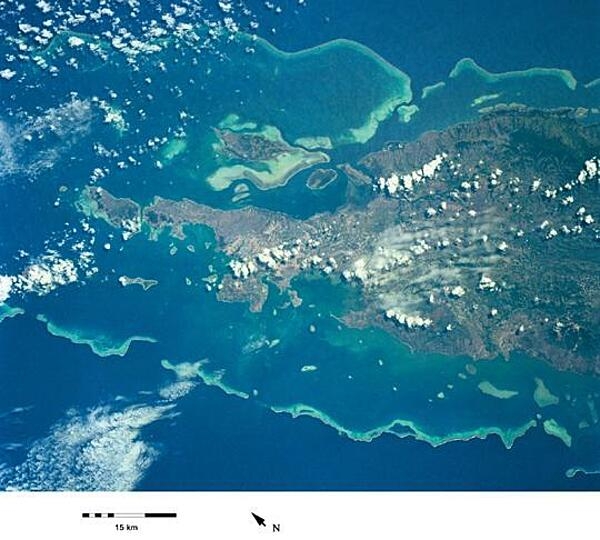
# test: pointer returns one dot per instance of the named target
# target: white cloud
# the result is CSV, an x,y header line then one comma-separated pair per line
x,y
101,450
6,283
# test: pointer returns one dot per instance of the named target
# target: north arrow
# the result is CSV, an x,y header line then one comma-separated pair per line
x,y
258,519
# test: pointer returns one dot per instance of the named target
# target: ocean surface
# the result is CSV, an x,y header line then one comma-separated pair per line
x,y
112,387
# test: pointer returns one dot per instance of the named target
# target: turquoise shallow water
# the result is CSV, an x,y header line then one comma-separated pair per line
x,y
366,385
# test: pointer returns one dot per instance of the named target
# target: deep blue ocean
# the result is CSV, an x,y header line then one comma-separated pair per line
x,y
222,442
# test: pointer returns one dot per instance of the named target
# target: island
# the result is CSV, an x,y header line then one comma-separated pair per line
x,y
321,178
445,243
259,155
145,284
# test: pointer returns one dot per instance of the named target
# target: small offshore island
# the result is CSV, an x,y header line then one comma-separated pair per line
x,y
145,284
321,178
259,155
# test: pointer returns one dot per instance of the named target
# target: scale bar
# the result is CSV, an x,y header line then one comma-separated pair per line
x,y
129,515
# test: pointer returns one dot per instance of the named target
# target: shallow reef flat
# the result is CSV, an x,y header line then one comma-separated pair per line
x,y
8,312
408,428
489,389
100,344
469,66
335,93
552,427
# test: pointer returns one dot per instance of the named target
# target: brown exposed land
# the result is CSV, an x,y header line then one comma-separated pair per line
x,y
478,240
